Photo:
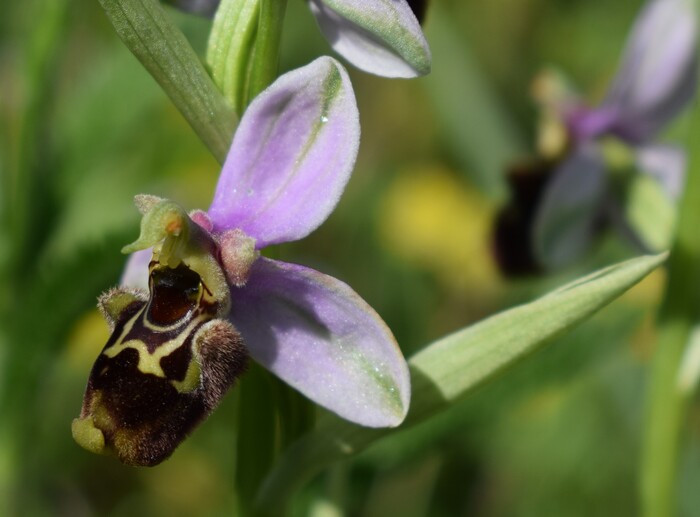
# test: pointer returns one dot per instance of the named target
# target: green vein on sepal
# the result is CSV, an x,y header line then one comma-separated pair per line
x,y
332,86
456,365
390,31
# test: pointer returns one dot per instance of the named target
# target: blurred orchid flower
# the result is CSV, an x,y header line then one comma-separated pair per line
x,y
213,296
382,37
655,81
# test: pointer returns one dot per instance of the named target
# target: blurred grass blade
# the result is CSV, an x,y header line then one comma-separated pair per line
x,y
45,312
158,43
456,365
477,129
28,169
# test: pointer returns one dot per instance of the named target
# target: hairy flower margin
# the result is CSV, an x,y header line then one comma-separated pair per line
x,y
381,37
289,162
656,80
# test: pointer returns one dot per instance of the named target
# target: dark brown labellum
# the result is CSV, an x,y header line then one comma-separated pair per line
x,y
512,238
166,366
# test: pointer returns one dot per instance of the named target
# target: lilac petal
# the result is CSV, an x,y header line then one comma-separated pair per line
x,y
571,204
319,336
666,164
382,37
658,73
291,157
586,124
136,271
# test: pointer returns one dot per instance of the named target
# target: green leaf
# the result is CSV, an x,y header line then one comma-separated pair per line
x,y
458,364
158,43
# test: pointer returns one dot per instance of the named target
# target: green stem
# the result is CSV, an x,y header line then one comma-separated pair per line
x,y
148,32
271,417
679,313
257,435
296,414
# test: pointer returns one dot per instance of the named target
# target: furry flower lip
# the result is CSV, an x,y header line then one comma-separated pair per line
x,y
213,299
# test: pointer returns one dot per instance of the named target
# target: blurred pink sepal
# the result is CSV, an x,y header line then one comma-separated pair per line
x,y
656,80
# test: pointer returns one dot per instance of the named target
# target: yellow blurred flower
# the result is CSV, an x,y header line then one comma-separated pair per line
x,y
431,219
86,340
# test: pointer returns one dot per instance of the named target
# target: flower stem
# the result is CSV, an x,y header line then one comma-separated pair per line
x,y
257,431
679,313
159,44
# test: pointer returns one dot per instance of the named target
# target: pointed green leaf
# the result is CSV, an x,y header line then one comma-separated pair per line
x,y
456,365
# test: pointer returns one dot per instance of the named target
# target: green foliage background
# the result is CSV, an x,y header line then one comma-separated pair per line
x,y
84,128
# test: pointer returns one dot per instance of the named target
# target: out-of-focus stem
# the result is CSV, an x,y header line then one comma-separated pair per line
x,y
257,445
27,182
680,312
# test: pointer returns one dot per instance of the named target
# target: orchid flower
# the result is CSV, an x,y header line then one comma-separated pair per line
x,y
213,298
655,81
382,37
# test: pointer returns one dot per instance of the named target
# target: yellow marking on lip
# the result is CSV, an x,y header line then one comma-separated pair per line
x,y
191,380
150,362
87,435
166,328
